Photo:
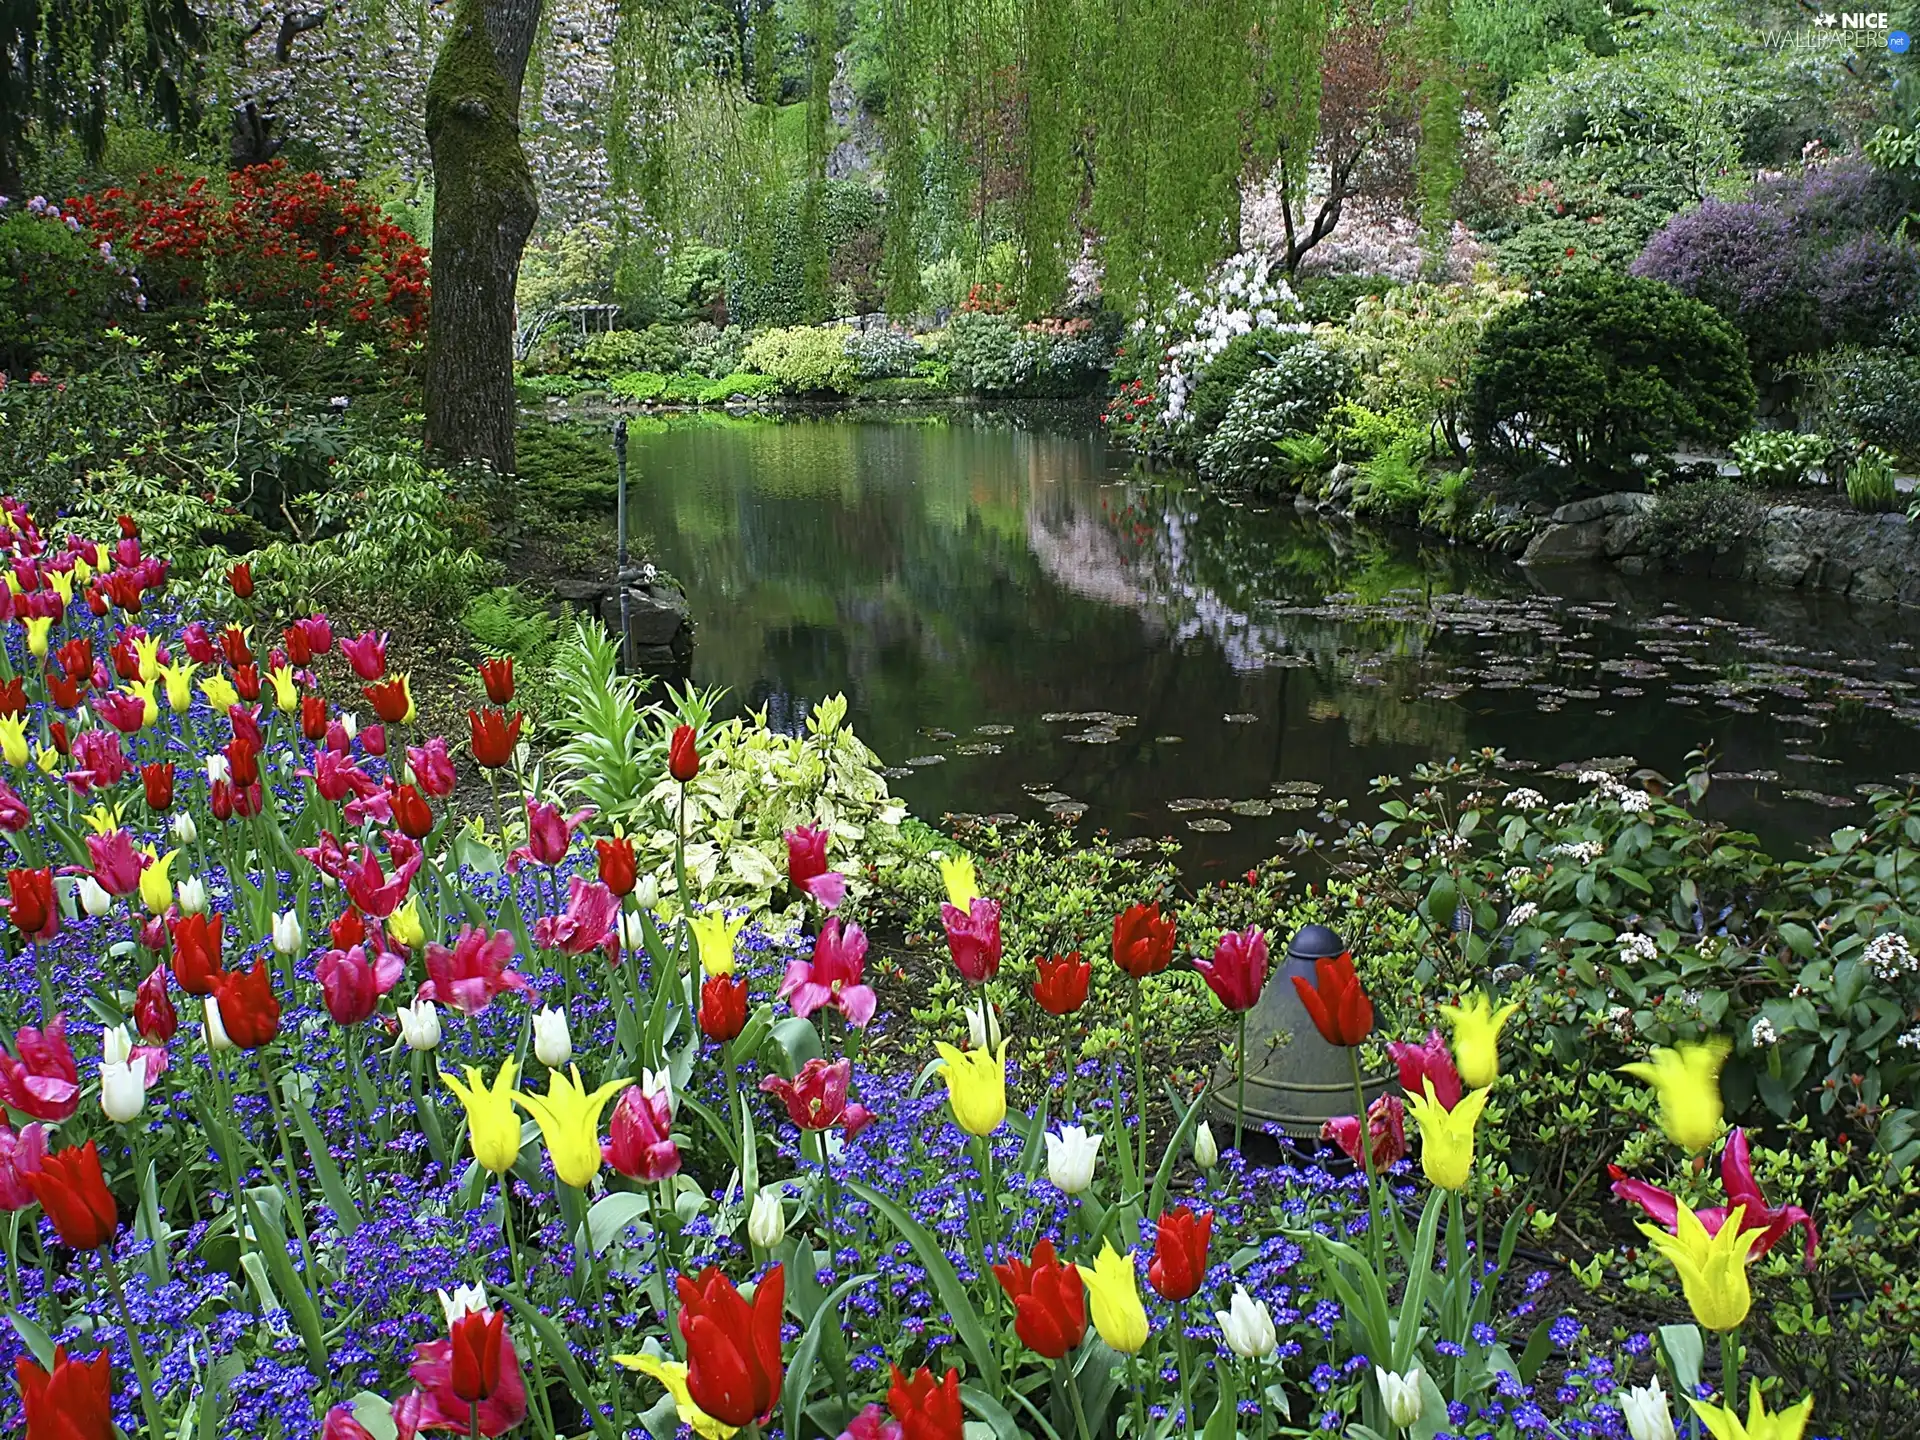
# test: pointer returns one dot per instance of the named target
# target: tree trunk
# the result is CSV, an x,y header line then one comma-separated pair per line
x,y
484,207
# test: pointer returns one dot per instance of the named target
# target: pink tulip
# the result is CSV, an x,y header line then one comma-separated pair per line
x,y
319,633
98,760
1386,1124
352,985
434,1406
367,654
468,976
639,1140
368,886
586,924
41,1079
340,1425
1736,1174
125,713
20,1156
199,643
832,977
1238,971
335,776
807,868
1430,1060
14,814
116,864
973,939
549,833
432,767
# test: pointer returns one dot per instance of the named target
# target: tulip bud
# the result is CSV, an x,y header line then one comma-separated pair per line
x,y
464,1300
767,1224
1206,1150
217,1041
1400,1394
551,1040
116,1045
185,832
1247,1326
420,1025
192,895
1071,1155
93,897
657,1082
288,937
123,1089
218,769
633,931
646,891
405,927
1645,1409
983,1034
350,723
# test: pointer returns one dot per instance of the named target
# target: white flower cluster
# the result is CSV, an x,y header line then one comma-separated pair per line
x,y
1634,802
1525,799
1585,851
1911,1039
1447,843
1635,946
1245,293
1890,957
1595,777
1521,914
1763,1031
1516,876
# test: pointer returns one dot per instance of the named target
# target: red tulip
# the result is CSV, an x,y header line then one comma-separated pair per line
x,y
1238,971
476,1338
733,1349
1049,1301
31,905
66,694
816,1098
197,963
1179,1264
351,984
497,676
246,679
683,756
313,717
248,1009
1386,1130
412,813
76,658
1338,1006
348,930
13,696
243,761
40,1078
618,869
299,649
1142,941
157,777
1062,986
391,700
153,1012
494,738
639,1141
73,1402
973,939
1430,1060
927,1409
723,1007
73,1192
240,577
435,1404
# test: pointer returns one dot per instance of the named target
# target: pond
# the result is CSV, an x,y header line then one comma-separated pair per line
x,y
1026,626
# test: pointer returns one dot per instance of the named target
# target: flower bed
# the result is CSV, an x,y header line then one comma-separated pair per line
x,y
356,1095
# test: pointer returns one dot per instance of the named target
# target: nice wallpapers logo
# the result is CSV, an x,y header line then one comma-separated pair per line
x,y
1839,30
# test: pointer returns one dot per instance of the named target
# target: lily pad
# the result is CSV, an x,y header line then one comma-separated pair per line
x,y
1210,824
921,760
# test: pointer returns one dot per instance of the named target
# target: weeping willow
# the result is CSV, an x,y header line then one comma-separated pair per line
x,y
823,35
1437,166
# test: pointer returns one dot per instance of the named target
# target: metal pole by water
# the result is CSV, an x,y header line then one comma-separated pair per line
x,y
623,580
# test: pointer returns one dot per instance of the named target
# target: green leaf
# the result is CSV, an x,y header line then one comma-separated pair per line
x,y
34,1338
332,1184
612,1214
1685,1350
1224,1423
1163,1176
995,1414
557,1350
946,1281
1799,939
287,1283
793,1392
795,1042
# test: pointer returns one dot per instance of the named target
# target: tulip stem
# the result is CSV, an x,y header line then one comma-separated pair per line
x,y
1366,1154
13,1259
148,1400
1185,1347
1139,1395
1240,1080
297,1206
1730,1366
473,1420
1140,1074
660,1261
1072,1386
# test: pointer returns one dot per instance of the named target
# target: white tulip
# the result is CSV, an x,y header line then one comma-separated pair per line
x,y
350,723
1247,1325
420,1025
464,1300
192,894
218,769
116,1046
983,1035
1645,1407
1400,1394
767,1222
123,1089
217,1040
657,1082
185,832
646,891
1070,1159
288,937
552,1041
633,934
93,896
1206,1150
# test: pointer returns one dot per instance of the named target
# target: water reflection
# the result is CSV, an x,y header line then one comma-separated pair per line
x,y
957,579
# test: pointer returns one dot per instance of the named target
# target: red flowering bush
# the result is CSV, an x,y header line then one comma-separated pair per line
x,y
274,239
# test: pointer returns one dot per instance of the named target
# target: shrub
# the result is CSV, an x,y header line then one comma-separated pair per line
x,y
741,384
1575,227
1870,481
883,353
1744,260
1213,392
1871,397
1293,396
989,353
658,347
1703,515
1779,457
638,385
1329,299
767,280
1600,369
1860,286
1389,485
57,288
804,359
714,351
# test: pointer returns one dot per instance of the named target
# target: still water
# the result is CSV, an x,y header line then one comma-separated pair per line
x,y
1024,626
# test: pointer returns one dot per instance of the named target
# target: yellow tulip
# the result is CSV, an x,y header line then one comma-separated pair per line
x,y
156,883
976,1086
569,1119
102,561
286,693
404,925
1446,1136
673,1375
1687,1080
103,819
149,706
38,627
714,933
1476,1038
48,759
13,582
1713,1268
493,1130
146,650
82,571
13,739
962,883
220,693
62,582
179,682
1723,1424
1113,1287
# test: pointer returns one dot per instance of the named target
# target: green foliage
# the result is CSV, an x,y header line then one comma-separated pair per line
x,y
1390,485
639,385
567,469
610,755
1779,457
1516,40
999,355
804,360
1870,484
658,347
505,621
1575,227
1600,369
571,266
1701,517
772,288
1330,299
57,292
1869,396
714,351
1213,391
1292,397
1360,432
947,283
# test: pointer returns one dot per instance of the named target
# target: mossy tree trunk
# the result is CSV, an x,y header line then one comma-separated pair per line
x,y
484,207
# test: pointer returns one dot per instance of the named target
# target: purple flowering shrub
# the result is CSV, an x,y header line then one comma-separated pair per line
x,y
1742,259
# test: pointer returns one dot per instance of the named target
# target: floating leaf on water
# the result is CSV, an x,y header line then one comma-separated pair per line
x,y
1832,802
1318,709
1295,802
1253,809
1034,786
1050,796
1211,825
1058,717
978,747
933,734
895,772
1169,740
1296,787
993,729
1241,717
1805,759
1093,735
1067,809
919,760
1181,807
1132,846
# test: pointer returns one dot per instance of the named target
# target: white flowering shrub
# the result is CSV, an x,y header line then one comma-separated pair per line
x,y
1293,396
1245,293
883,352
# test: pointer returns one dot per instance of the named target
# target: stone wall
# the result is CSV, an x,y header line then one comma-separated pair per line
x,y
659,627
